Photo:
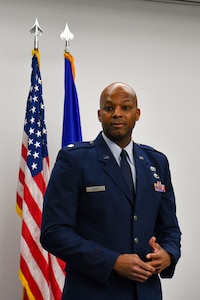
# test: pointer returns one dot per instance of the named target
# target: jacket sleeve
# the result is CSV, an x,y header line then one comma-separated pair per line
x,y
168,272
168,231
59,233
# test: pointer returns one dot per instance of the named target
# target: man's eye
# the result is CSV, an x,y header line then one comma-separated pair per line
x,y
126,107
108,108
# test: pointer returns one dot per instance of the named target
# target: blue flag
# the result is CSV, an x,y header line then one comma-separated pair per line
x,y
71,117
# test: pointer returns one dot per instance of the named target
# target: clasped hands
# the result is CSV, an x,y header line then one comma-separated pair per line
x,y
133,268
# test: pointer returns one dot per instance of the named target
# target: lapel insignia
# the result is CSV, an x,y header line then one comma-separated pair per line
x,y
106,156
159,187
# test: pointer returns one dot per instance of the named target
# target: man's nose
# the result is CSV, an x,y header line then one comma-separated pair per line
x,y
117,112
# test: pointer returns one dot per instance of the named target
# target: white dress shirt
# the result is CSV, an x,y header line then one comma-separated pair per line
x,y
116,151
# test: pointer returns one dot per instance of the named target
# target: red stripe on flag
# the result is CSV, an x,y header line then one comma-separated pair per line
x,y
32,205
21,176
47,159
40,183
25,296
35,250
19,202
24,152
32,285
54,284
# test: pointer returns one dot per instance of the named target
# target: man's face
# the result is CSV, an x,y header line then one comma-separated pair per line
x,y
118,113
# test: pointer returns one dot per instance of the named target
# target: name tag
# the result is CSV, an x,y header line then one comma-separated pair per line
x,y
97,188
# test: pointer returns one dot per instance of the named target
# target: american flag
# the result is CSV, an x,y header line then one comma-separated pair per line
x,y
41,274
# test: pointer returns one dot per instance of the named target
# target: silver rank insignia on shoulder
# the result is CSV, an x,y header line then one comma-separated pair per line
x,y
70,145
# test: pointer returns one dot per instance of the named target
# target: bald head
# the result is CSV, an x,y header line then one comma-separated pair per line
x,y
116,87
118,112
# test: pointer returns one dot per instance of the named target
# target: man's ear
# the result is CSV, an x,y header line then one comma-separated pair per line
x,y
138,113
99,115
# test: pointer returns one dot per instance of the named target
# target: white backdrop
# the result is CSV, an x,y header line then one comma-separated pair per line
x,y
155,48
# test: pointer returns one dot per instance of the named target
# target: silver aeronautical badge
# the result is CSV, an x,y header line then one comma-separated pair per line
x,y
152,168
156,176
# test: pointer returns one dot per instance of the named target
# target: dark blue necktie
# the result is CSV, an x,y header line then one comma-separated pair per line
x,y
126,170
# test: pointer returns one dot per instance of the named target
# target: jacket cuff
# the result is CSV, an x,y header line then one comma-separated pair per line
x,y
169,271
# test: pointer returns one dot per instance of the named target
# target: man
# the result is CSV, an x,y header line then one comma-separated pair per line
x,y
115,241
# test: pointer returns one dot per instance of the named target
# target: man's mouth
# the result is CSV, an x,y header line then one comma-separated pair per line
x,y
117,125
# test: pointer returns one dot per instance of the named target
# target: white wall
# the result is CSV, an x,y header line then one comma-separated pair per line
x,y
152,46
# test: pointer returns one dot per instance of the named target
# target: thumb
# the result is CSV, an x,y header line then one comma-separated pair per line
x,y
152,243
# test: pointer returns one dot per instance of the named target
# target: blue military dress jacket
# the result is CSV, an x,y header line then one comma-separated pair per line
x,y
89,218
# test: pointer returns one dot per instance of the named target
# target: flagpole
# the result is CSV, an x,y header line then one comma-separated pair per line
x,y
67,35
37,30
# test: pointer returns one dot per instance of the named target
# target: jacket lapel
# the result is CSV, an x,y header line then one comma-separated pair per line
x,y
144,176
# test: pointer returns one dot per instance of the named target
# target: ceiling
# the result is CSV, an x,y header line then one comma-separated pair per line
x,y
181,2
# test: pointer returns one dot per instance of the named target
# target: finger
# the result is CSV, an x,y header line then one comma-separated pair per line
x,y
152,243
155,246
142,275
154,256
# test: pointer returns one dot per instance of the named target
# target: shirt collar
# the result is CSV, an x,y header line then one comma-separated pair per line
x,y
116,150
